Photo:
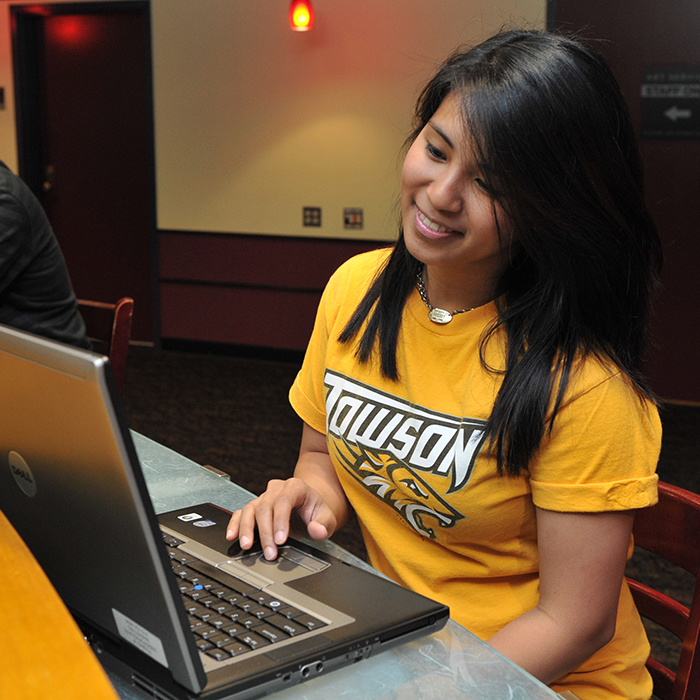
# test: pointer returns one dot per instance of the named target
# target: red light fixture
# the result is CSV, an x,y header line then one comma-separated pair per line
x,y
301,15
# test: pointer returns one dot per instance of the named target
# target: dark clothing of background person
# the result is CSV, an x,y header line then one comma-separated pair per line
x,y
35,290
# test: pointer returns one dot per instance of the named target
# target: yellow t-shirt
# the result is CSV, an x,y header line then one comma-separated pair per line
x,y
435,515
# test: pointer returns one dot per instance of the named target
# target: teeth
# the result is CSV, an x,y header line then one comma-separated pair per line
x,y
431,224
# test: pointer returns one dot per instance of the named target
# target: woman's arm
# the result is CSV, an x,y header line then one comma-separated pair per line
x,y
312,503
582,563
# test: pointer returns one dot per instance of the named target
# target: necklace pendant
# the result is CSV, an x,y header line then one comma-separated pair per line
x,y
440,316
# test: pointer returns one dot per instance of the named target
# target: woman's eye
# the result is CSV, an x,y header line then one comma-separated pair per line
x,y
483,185
435,152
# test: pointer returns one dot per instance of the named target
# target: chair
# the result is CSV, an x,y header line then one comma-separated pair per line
x,y
671,530
109,327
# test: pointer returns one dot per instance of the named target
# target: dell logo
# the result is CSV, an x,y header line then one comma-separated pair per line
x,y
22,474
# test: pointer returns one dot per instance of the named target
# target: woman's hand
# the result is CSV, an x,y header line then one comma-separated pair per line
x,y
286,508
311,504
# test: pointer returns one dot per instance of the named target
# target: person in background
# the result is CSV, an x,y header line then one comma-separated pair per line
x,y
35,289
474,393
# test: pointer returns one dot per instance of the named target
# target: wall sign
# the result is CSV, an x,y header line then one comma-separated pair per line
x,y
671,103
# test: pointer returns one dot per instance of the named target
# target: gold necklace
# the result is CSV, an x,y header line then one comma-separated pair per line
x,y
435,314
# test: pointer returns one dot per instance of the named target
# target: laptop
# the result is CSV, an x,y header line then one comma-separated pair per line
x,y
166,602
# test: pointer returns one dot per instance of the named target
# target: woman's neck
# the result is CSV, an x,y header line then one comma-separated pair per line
x,y
448,291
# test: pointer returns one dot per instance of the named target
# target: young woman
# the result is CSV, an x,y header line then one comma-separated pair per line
x,y
481,409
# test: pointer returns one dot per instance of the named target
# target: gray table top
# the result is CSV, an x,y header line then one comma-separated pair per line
x,y
450,664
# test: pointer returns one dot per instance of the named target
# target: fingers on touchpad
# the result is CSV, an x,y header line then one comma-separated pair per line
x,y
291,563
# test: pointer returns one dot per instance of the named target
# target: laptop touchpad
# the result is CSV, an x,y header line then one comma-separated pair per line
x,y
291,564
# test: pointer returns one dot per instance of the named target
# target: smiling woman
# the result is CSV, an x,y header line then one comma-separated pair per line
x,y
496,445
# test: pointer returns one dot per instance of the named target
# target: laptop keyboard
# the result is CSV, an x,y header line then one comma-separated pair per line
x,y
227,615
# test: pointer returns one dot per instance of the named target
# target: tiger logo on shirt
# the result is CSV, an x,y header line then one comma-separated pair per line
x,y
394,448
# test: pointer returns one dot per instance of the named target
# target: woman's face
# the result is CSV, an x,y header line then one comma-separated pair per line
x,y
449,218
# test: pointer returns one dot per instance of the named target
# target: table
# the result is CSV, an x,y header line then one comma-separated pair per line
x,y
42,651
452,663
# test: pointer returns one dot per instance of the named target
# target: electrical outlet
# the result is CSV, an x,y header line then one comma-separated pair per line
x,y
352,217
312,216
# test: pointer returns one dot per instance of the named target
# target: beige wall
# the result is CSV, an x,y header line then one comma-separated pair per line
x,y
254,121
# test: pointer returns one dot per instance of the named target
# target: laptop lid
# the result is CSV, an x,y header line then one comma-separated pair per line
x,y
66,486
72,486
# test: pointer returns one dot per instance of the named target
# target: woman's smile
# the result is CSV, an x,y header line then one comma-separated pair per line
x,y
432,229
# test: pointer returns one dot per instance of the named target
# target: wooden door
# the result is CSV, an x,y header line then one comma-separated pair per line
x,y
90,150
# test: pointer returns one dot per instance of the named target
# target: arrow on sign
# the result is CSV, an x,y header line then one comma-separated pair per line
x,y
674,114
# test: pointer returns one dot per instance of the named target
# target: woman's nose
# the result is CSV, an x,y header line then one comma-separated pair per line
x,y
446,192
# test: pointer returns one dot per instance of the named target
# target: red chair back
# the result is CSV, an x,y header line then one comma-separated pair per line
x,y
671,530
110,324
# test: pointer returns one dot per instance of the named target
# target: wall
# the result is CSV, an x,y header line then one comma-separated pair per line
x,y
253,122
265,120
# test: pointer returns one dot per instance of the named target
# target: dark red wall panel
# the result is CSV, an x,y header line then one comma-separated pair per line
x,y
245,290
237,315
265,261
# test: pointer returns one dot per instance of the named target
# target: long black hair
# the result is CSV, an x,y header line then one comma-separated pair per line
x,y
550,126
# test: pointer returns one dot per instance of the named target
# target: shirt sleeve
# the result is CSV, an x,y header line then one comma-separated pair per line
x,y
15,239
603,450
